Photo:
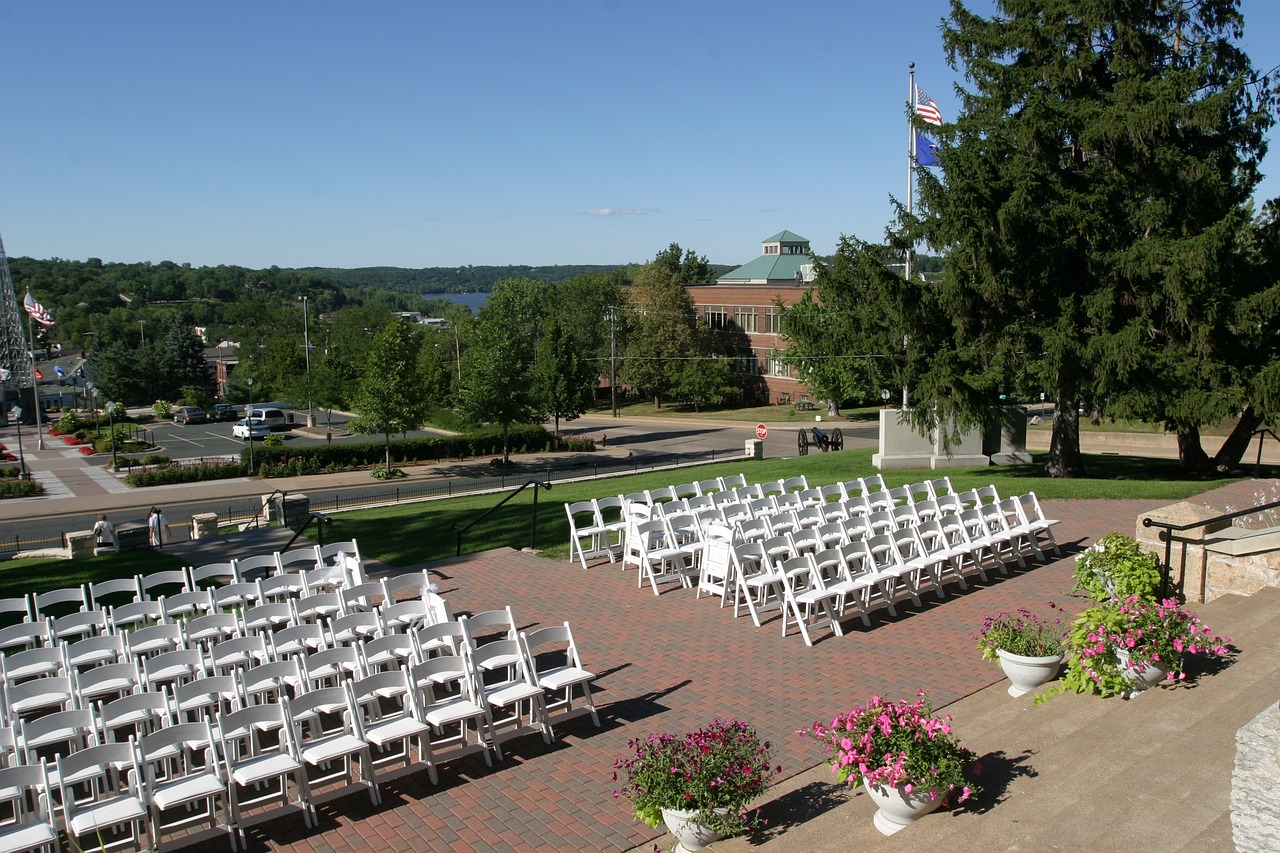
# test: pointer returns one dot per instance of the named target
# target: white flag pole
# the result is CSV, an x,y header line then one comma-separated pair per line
x,y
911,175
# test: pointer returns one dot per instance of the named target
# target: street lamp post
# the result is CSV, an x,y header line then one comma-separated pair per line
x,y
248,420
111,420
306,344
16,413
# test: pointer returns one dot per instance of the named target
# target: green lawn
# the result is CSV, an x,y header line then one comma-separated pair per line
x,y
411,534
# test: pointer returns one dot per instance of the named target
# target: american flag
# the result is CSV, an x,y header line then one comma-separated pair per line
x,y
37,311
927,109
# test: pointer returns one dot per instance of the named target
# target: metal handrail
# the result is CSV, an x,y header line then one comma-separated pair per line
x,y
533,531
321,519
262,505
1167,531
1263,431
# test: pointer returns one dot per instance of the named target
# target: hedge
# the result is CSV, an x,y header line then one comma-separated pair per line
x,y
167,475
322,458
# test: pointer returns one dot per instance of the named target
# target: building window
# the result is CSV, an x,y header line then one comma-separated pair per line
x,y
717,316
777,368
746,318
773,321
747,364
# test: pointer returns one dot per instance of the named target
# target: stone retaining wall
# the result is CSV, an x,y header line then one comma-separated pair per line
x,y
1255,797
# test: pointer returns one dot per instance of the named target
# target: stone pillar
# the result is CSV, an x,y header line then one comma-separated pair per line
x,y
204,525
132,536
294,510
1008,444
754,449
1187,557
1255,794
81,544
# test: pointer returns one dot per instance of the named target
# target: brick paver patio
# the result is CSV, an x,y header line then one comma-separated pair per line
x,y
671,663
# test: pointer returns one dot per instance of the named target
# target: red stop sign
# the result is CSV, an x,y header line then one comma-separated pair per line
x,y
761,430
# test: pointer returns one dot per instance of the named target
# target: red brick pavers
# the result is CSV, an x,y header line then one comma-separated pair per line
x,y
671,663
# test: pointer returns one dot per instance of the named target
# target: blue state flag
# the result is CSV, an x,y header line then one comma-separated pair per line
x,y
926,151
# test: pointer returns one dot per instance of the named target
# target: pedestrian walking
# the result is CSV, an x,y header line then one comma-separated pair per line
x,y
104,534
157,527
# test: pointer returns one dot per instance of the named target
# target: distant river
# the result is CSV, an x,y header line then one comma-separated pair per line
x,y
473,301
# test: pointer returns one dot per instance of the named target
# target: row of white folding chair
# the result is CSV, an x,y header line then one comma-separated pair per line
x,y
600,523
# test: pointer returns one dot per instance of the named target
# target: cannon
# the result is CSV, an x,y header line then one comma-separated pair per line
x,y
821,439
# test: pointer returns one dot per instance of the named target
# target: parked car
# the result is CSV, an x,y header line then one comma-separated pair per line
x,y
250,428
273,418
225,412
190,415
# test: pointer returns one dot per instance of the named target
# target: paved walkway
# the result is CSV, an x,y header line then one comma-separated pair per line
x,y
671,663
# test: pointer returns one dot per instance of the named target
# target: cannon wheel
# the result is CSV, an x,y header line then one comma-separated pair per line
x,y
802,442
837,439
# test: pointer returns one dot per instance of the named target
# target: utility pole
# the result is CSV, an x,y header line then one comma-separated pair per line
x,y
613,358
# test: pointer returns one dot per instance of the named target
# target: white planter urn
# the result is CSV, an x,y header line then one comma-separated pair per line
x,y
896,809
1140,678
690,835
1027,673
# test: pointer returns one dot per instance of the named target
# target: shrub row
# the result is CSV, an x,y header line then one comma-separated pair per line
x,y
167,475
327,458
14,488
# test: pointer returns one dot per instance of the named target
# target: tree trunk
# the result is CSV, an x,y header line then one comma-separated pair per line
x,y
387,450
1064,447
1233,449
833,409
506,444
1191,455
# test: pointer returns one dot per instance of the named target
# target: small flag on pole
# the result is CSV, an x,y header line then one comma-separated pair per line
x,y
926,151
62,374
37,311
927,109
39,375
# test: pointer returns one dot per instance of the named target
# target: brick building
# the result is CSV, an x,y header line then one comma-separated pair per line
x,y
745,305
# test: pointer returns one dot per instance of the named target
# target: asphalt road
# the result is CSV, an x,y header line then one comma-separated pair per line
x,y
643,439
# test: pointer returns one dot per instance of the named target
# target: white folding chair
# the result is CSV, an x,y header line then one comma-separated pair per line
x,y
76,626
242,594
187,605
459,718
327,731
255,568
586,526
557,668
96,651
183,769
1034,518
264,618
329,667
229,656
207,699
516,703
134,715
754,579
25,635
137,614
390,713
354,627
212,574
34,663
254,761
104,683
296,561
658,559
154,639
212,628
102,792
175,667
715,567
804,595
280,588
163,583
298,640
105,594
362,597
24,793
609,511
268,683
60,602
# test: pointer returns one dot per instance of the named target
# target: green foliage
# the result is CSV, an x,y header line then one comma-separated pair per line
x,y
168,475
390,398
347,456
14,488
662,333
1108,642
387,473
163,409
897,743
1115,568
714,771
1090,200
68,424
273,440
687,266
1021,632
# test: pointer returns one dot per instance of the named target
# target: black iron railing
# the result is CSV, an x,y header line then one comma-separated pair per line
x,y
533,527
1166,535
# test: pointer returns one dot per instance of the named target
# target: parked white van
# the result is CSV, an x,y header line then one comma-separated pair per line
x,y
273,418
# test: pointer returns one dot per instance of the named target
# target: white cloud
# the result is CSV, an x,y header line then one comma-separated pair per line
x,y
617,211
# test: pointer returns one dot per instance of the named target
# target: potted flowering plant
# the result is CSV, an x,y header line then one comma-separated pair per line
x,y
1125,648
1029,648
699,782
908,759
1114,568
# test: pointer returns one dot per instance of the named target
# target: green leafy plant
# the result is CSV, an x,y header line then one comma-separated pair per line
x,y
714,771
1022,632
1148,632
897,743
1116,567
387,473
163,409
275,439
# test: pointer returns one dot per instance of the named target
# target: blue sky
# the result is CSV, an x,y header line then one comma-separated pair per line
x,y
416,134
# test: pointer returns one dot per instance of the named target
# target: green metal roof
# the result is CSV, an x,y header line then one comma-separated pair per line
x,y
785,237
769,268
